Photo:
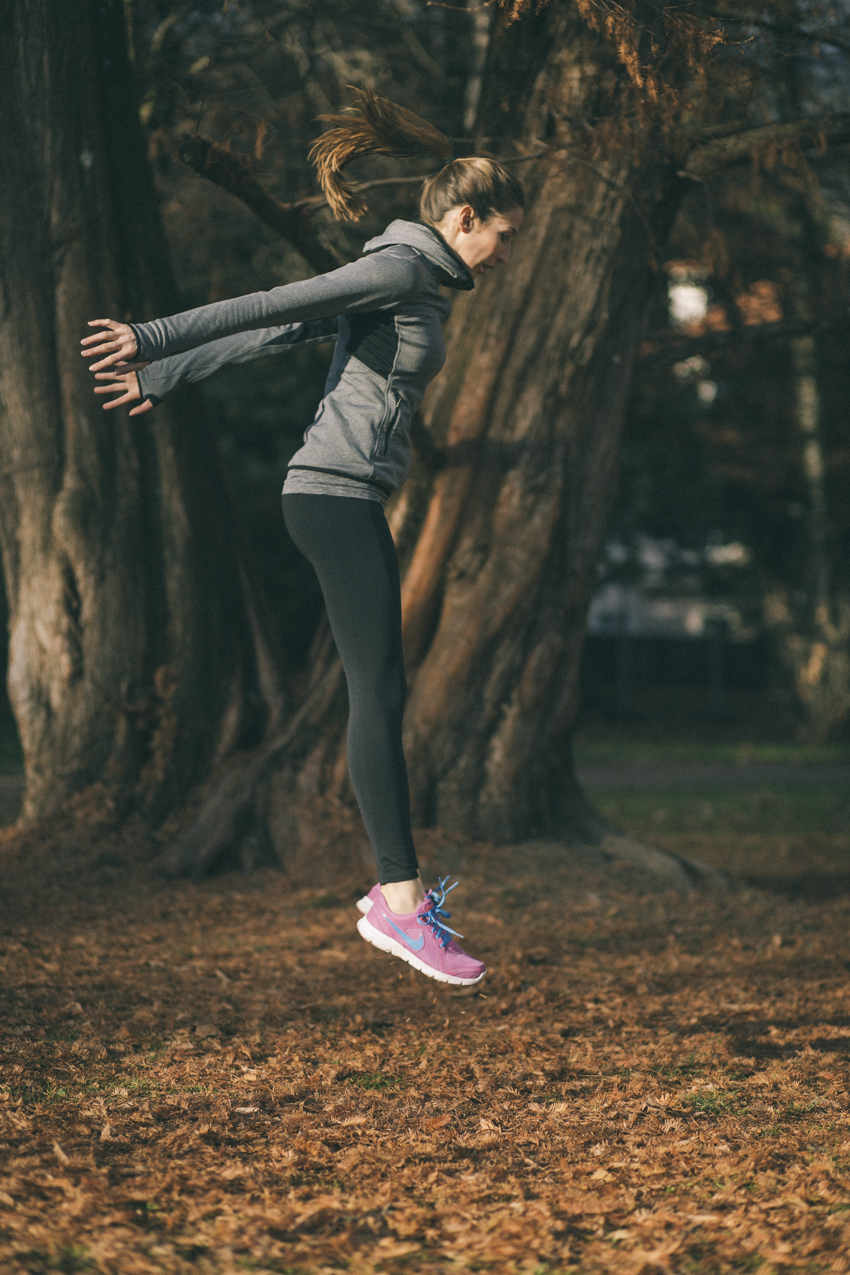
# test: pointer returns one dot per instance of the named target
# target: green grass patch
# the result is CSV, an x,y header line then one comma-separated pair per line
x,y
69,1259
788,812
716,1102
660,737
372,1080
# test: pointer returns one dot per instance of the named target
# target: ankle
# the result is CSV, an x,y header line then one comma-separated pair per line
x,y
403,896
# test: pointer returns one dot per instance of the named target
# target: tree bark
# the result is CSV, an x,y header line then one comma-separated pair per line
x,y
133,659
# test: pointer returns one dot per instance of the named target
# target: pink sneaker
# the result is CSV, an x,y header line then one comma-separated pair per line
x,y
421,938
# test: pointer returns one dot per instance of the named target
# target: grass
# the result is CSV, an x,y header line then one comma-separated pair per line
x,y
670,724
789,812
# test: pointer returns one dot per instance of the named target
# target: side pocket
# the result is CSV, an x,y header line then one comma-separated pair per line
x,y
387,422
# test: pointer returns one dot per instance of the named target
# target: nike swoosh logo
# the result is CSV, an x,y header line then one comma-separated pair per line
x,y
416,944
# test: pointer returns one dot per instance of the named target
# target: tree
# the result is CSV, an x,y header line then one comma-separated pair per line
x,y
811,615
129,611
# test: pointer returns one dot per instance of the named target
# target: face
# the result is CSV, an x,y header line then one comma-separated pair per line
x,y
485,244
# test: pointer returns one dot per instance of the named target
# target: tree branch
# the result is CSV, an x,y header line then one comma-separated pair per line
x,y
660,349
236,175
816,133
777,27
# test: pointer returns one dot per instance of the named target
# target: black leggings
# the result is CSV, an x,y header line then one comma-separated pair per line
x,y
348,543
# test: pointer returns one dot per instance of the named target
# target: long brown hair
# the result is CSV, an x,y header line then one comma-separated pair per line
x,y
378,126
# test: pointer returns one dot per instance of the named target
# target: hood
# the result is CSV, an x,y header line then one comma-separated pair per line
x,y
431,244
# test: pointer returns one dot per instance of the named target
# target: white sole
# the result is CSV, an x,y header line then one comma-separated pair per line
x,y
387,944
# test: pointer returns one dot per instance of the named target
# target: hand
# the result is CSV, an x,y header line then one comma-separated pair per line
x,y
117,341
126,386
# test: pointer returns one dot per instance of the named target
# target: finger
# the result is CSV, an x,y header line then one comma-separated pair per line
x,y
106,341
146,406
112,359
108,324
117,402
109,348
119,341
104,363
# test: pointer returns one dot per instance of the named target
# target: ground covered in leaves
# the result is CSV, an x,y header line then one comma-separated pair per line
x,y
222,1077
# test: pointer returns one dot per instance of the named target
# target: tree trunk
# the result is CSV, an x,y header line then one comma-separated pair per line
x,y
499,546
133,659
810,618
810,622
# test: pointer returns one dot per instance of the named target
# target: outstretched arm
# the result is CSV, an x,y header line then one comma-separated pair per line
x,y
372,282
153,381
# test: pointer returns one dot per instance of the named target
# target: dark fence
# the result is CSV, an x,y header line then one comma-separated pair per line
x,y
615,666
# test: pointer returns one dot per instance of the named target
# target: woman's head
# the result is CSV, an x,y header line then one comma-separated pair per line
x,y
475,203
477,206
484,184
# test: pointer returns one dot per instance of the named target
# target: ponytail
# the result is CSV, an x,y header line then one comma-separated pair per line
x,y
377,126
381,127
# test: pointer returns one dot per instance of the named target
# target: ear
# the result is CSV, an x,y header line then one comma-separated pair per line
x,y
466,217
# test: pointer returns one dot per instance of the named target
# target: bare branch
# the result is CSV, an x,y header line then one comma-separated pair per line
x,y
236,175
777,27
661,349
812,134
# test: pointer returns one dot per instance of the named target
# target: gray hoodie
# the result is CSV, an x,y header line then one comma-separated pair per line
x,y
386,312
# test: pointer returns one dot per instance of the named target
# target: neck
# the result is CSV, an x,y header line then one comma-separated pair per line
x,y
439,231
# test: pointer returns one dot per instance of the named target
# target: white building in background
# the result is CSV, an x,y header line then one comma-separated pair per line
x,y
664,599
654,588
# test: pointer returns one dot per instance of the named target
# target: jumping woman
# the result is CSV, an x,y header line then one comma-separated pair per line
x,y
385,312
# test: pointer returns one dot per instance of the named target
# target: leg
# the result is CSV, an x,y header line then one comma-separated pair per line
x,y
350,547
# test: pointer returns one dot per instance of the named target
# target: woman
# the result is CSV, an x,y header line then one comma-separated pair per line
x,y
385,312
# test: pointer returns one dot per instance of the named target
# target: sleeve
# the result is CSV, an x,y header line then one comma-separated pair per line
x,y
159,378
372,282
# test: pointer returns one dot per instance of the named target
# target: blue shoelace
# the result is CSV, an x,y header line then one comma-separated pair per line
x,y
435,914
